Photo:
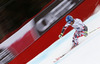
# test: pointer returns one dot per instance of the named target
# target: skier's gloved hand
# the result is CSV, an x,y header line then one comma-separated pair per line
x,y
85,33
60,35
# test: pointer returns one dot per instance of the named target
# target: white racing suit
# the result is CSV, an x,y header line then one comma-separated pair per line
x,y
80,30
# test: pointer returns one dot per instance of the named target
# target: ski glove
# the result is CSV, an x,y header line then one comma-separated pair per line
x,y
85,33
60,35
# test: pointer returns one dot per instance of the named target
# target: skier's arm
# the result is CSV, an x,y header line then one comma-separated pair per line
x,y
85,28
63,30
81,23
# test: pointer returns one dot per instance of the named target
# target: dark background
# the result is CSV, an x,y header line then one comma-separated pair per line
x,y
13,13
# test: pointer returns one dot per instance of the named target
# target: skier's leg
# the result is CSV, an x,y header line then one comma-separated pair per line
x,y
76,36
75,39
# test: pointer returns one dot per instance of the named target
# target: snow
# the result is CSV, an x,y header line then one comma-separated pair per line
x,y
88,52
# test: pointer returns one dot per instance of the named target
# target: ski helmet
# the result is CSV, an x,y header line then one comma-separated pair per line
x,y
69,19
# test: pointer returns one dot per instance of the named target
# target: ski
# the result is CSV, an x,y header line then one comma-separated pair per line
x,y
61,56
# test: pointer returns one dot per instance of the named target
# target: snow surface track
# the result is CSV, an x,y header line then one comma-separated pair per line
x,y
88,52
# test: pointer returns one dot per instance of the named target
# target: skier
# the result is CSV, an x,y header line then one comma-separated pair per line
x,y
77,24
